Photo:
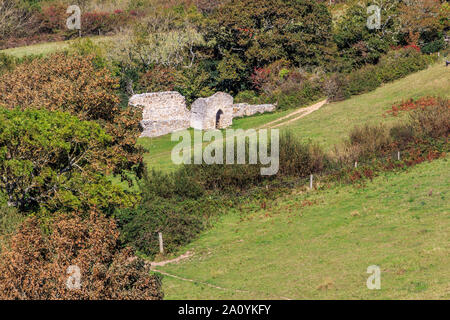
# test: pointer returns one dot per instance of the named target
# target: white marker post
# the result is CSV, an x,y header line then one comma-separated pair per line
x,y
161,244
398,156
356,164
311,182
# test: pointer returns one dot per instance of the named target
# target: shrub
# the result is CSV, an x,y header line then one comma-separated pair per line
x,y
434,46
335,87
246,96
35,265
10,219
432,121
399,63
370,139
73,84
363,80
173,204
52,18
158,79
7,62
54,161
300,159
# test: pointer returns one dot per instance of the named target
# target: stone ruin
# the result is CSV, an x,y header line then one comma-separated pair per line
x,y
163,113
166,112
215,112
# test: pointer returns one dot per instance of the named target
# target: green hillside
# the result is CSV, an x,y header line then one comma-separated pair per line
x,y
399,222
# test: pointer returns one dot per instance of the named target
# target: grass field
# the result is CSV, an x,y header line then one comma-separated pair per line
x,y
289,250
332,123
399,222
47,47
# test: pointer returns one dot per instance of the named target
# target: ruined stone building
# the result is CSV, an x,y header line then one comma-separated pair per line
x,y
166,112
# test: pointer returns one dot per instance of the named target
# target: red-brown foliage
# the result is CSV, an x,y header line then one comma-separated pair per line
x,y
73,84
411,104
35,265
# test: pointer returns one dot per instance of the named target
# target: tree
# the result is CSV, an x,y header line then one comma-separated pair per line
x,y
53,161
78,259
420,20
251,34
357,45
73,83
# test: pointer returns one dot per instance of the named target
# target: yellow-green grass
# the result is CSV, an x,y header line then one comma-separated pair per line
x,y
158,155
333,122
399,222
47,47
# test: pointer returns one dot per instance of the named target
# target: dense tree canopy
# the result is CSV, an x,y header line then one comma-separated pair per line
x,y
252,34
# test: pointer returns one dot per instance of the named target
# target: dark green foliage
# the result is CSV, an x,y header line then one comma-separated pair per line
x,y
252,34
399,63
173,204
357,45
363,80
300,159
433,46
53,161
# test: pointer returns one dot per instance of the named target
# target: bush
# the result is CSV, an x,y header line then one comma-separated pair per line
x,y
35,265
173,204
53,161
434,46
335,87
399,63
253,34
370,139
158,79
52,18
7,62
363,80
432,121
10,219
73,84
300,159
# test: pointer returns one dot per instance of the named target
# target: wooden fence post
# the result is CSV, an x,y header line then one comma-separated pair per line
x,y
161,244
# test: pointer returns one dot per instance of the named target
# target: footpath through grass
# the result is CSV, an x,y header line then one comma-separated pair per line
x,y
399,221
333,122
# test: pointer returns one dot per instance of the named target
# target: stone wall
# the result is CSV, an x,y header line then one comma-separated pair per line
x,y
245,109
163,112
166,112
215,112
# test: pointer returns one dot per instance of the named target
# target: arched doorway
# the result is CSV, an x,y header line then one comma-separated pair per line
x,y
219,115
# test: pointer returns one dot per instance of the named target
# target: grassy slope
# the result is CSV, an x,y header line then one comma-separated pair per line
x,y
331,123
47,47
323,251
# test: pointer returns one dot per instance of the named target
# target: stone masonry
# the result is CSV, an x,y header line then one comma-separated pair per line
x,y
245,109
166,112
215,112
163,112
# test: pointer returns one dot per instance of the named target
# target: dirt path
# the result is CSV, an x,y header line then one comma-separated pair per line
x,y
302,112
